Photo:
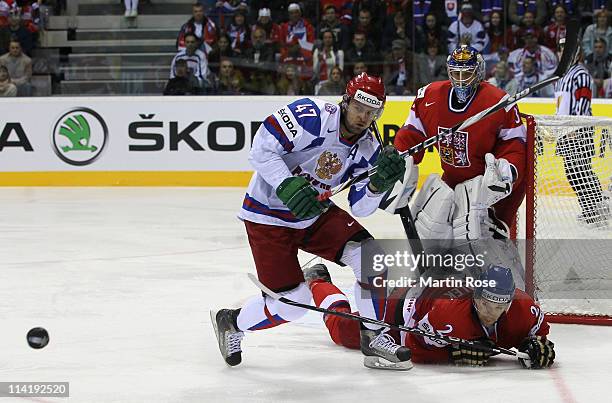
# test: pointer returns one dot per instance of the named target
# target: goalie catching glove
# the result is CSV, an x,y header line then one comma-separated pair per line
x,y
390,168
541,352
301,198
472,356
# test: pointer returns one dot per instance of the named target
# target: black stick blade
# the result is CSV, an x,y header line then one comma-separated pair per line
x,y
570,48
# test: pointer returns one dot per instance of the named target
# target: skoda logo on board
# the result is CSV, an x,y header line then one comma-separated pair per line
x,y
79,136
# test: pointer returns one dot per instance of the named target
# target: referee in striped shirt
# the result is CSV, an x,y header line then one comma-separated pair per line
x,y
573,96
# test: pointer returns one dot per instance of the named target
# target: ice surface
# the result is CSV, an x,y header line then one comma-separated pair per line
x,y
124,278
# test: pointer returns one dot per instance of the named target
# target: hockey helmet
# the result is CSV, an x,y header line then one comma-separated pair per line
x,y
466,69
496,285
368,90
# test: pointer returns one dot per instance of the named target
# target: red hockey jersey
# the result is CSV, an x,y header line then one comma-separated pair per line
x,y
457,317
462,156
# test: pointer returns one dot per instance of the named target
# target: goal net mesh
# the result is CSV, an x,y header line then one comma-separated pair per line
x,y
567,215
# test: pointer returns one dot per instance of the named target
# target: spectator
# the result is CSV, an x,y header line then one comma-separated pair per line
x,y
261,53
517,9
197,61
397,70
467,31
360,67
199,25
16,30
225,9
297,31
568,6
30,14
7,88
264,21
496,34
183,82
500,56
5,9
221,50
503,79
260,62
432,32
598,63
364,24
343,10
295,57
131,8
329,22
377,9
489,7
600,29
335,85
529,75
239,33
325,58
545,59
230,80
361,51
431,66
556,29
19,67
397,28
606,90
290,83
516,33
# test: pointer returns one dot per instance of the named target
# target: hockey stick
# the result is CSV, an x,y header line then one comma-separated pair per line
x,y
571,45
405,214
352,316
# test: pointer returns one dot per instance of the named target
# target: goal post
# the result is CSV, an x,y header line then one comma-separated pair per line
x,y
565,220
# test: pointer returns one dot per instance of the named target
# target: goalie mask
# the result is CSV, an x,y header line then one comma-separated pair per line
x,y
466,69
368,90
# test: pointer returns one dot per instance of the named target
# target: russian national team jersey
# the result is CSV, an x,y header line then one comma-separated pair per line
x,y
573,92
303,139
454,314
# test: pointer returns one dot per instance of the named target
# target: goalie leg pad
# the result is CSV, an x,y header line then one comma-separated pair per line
x,y
433,209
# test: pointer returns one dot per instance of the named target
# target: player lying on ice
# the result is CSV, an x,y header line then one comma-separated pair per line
x,y
502,315
301,151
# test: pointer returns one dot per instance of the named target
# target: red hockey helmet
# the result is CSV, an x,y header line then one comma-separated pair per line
x,y
369,90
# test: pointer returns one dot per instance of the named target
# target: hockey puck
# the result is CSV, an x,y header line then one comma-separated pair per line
x,y
38,337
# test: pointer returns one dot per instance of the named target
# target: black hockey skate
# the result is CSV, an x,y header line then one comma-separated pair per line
x,y
228,336
317,272
381,351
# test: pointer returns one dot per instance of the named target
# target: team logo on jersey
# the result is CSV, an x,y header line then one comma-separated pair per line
x,y
454,148
328,165
331,109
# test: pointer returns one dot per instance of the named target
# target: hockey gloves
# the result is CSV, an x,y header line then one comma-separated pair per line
x,y
497,181
301,198
541,352
390,168
472,356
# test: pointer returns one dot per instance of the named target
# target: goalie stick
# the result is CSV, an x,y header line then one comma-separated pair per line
x,y
569,51
405,215
352,316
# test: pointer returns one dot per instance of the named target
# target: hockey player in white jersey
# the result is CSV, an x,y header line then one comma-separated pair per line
x,y
573,97
300,151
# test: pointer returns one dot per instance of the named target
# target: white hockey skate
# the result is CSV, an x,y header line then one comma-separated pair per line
x,y
381,351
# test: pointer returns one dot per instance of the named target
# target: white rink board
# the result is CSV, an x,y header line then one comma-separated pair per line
x,y
123,279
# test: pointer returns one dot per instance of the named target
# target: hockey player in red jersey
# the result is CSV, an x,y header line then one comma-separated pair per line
x,y
499,314
485,163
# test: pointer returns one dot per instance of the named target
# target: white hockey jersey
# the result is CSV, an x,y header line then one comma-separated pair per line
x,y
303,139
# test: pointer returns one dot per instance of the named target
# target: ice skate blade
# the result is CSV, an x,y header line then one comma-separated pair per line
x,y
380,363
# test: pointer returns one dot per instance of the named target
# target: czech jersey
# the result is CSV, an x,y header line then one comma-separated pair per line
x,y
573,92
303,139
457,317
462,155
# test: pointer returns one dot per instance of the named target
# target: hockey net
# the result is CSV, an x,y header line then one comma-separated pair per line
x,y
565,219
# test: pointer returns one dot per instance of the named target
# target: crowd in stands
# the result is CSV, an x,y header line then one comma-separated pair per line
x,y
289,47
19,28
313,47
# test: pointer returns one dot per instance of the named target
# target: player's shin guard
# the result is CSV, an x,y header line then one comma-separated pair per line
x,y
228,335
